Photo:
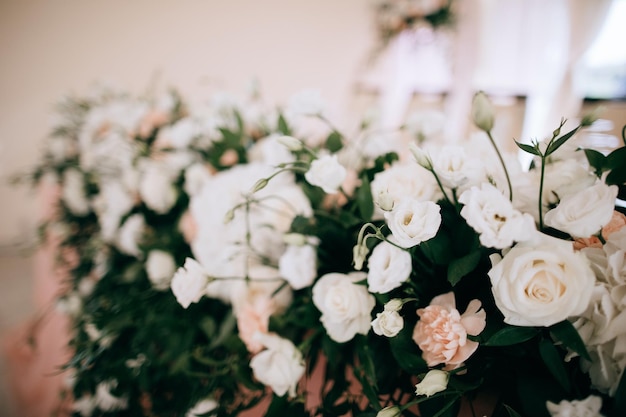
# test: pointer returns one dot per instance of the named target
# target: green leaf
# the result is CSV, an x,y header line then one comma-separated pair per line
x,y
334,142
364,199
511,335
617,176
283,127
596,159
460,267
616,158
561,141
554,363
227,328
512,413
406,352
619,405
566,333
528,148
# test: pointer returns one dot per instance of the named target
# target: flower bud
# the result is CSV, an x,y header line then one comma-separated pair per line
x,y
359,252
482,112
294,239
384,200
393,411
259,185
229,216
291,143
435,381
420,156
395,304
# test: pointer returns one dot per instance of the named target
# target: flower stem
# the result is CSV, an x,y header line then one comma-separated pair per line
x,y
543,170
506,171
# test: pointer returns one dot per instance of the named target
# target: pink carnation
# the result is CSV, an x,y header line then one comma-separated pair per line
x,y
441,333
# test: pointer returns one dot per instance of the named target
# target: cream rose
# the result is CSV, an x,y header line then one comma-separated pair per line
x,y
388,323
589,407
389,266
441,332
435,381
189,283
412,221
541,282
585,213
298,265
345,306
492,215
327,173
280,366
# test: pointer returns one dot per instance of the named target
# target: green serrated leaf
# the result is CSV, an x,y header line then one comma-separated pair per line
x,y
364,199
554,363
460,267
511,335
567,334
528,148
561,141
334,142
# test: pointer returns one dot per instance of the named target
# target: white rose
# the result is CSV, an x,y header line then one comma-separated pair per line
x,y
202,407
156,188
160,267
389,266
298,265
388,323
345,306
280,366
327,173
585,213
74,195
492,215
589,407
540,283
435,381
130,235
412,221
189,283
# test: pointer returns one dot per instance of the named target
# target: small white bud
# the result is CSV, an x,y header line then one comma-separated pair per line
x,y
482,112
259,185
421,157
359,252
393,411
291,143
384,200
435,381
395,304
294,239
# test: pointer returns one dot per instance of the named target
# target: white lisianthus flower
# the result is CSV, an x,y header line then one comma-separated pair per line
x,y
106,401
156,187
298,265
196,176
160,267
412,221
589,407
327,173
345,306
189,283
73,191
389,266
130,235
388,323
455,168
585,213
541,282
280,366
492,215
392,411
435,381
202,407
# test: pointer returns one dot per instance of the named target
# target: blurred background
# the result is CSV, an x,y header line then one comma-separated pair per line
x,y
538,61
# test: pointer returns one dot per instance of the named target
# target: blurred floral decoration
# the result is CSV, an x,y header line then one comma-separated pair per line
x,y
392,17
240,257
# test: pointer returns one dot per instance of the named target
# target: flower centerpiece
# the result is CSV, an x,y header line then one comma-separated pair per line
x,y
321,273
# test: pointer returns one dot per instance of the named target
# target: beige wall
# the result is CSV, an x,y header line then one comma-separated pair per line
x,y
49,48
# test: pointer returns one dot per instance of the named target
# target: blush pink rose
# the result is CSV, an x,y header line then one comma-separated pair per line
x,y
253,317
441,333
614,225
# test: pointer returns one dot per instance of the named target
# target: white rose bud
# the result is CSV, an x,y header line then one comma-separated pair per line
x,y
482,112
389,266
327,173
290,142
421,157
388,323
395,304
412,221
384,200
393,411
359,253
160,266
295,239
435,381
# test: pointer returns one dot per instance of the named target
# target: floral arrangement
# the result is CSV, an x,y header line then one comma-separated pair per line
x,y
392,17
321,273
